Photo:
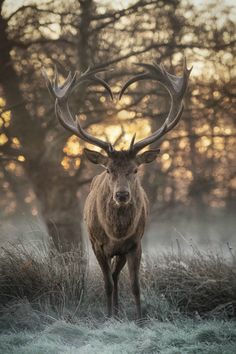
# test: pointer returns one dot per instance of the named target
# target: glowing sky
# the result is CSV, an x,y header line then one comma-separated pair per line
x,y
12,5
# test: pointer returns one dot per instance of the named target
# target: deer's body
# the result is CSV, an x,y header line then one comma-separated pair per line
x,y
116,207
115,230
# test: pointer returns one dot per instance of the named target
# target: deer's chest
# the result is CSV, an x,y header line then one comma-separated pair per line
x,y
115,230
120,221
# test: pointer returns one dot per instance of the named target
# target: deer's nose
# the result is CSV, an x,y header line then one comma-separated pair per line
x,y
122,196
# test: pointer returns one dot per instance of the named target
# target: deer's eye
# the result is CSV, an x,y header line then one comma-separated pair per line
x,y
108,171
135,170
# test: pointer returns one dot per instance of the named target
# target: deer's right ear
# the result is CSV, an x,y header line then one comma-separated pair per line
x,y
147,156
96,157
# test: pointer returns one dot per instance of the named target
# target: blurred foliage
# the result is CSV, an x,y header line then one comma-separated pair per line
x,y
42,168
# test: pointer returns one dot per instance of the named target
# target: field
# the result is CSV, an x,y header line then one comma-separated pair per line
x,y
54,303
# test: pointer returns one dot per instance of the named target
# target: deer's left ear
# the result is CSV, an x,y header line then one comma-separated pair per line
x,y
96,157
147,156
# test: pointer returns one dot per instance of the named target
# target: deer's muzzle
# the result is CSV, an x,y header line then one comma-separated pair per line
x,y
122,196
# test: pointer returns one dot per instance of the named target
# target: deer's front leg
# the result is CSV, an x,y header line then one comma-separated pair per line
x,y
105,265
117,266
134,258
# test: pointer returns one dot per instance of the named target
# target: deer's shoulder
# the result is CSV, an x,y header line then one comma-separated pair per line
x,y
96,181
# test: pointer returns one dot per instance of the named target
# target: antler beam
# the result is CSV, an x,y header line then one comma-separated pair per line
x,y
176,86
61,95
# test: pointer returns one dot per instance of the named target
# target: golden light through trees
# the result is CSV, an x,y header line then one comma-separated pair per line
x,y
196,166
123,130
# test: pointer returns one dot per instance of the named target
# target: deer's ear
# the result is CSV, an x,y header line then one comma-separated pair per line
x,y
96,157
147,156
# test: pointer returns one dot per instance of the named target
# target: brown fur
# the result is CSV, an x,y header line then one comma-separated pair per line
x,y
116,230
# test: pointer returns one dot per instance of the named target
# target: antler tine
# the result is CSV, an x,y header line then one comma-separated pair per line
x,y
176,86
132,80
132,142
61,94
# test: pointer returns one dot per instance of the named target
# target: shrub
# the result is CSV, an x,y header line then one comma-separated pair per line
x,y
201,285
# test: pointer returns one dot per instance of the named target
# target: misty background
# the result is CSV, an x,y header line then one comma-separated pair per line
x,y
44,178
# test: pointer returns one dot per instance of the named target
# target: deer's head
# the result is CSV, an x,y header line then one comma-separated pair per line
x,y
121,166
121,171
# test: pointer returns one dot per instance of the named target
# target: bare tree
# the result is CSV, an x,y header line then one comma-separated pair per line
x,y
78,34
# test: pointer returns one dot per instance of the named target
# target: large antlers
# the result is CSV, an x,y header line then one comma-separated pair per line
x,y
176,87
62,94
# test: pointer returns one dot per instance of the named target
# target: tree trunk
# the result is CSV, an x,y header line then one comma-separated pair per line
x,y
60,208
55,190
198,210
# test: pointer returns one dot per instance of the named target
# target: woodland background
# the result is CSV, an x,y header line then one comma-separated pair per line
x,y
44,177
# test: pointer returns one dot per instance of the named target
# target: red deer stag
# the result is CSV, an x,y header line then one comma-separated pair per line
x,y
116,208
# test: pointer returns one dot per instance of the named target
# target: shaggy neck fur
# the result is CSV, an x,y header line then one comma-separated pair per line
x,y
119,221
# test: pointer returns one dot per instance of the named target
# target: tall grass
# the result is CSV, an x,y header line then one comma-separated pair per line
x,y
198,286
45,278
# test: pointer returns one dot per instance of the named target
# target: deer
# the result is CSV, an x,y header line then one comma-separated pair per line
x,y
116,208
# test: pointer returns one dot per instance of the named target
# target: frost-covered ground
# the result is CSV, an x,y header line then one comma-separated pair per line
x,y
54,303
187,336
